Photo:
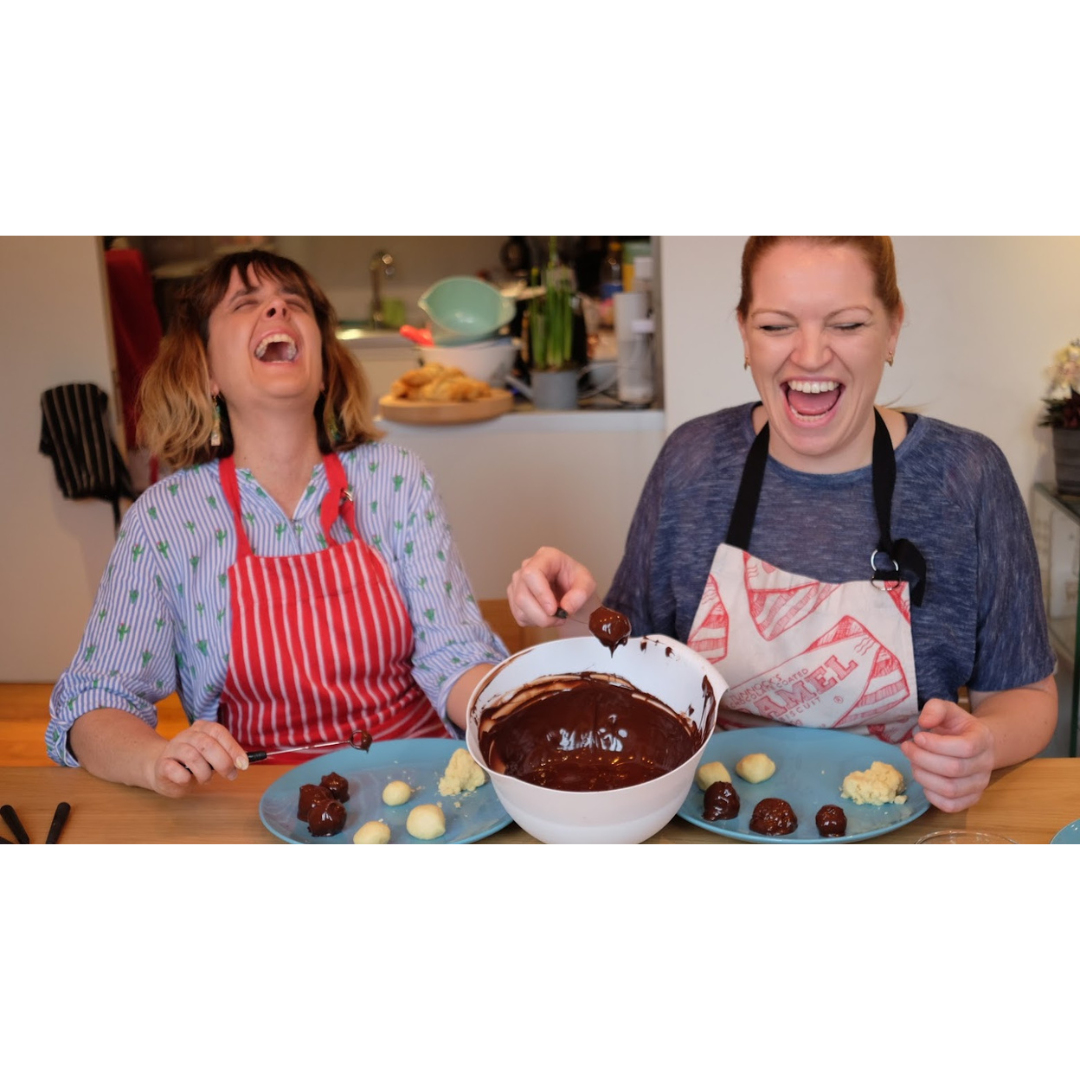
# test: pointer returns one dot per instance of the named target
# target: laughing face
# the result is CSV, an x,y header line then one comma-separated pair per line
x,y
265,349
817,338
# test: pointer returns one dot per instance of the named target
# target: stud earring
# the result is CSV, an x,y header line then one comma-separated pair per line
x,y
215,432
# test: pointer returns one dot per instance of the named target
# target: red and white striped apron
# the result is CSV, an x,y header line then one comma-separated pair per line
x,y
811,653
321,643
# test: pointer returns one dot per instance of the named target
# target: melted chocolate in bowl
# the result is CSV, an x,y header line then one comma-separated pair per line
x,y
610,628
586,732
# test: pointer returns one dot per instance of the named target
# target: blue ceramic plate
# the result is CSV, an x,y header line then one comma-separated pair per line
x,y
1069,835
419,762
810,767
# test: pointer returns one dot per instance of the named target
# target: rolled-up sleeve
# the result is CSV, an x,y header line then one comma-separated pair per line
x,y
126,657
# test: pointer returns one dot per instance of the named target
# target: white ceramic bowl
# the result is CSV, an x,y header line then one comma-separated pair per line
x,y
664,668
490,360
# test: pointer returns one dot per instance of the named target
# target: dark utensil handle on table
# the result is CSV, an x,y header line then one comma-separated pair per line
x,y
14,824
59,818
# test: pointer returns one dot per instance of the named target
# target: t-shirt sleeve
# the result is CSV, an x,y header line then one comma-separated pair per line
x,y
1013,642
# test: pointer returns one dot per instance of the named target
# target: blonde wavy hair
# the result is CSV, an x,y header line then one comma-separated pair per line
x,y
176,409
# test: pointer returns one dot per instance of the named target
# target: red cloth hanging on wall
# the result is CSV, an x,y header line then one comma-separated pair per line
x,y
136,328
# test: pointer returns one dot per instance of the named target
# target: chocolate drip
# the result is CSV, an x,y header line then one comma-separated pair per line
x,y
610,628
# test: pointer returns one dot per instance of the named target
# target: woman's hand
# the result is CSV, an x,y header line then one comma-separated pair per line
x,y
193,757
548,580
952,756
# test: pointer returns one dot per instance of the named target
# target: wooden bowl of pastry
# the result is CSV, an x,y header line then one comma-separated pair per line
x,y
438,394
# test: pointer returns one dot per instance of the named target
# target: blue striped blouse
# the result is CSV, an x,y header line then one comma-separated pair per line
x,y
161,620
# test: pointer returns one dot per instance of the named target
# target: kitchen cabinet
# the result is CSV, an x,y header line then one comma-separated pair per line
x,y
1055,522
569,480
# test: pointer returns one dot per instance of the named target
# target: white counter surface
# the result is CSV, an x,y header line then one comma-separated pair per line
x,y
538,421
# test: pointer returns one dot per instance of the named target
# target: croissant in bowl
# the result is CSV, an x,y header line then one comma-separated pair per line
x,y
435,382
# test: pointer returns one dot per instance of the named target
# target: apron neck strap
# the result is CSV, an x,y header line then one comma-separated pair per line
x,y
746,502
227,473
338,500
901,559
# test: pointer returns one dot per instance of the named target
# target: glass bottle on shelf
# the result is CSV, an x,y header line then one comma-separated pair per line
x,y
611,282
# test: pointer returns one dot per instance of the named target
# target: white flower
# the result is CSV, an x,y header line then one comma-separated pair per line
x,y
1064,373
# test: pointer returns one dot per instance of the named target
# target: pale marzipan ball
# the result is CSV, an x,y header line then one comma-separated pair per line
x,y
426,822
755,768
372,832
396,793
710,773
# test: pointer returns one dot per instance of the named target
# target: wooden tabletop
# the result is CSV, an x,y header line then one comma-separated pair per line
x,y
1029,803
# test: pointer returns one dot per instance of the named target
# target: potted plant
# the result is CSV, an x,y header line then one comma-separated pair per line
x,y
548,336
1061,413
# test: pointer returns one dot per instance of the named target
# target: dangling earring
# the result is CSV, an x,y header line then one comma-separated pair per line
x,y
889,359
746,362
215,432
333,430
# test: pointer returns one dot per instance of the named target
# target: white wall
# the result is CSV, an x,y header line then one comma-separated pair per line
x,y
984,316
52,551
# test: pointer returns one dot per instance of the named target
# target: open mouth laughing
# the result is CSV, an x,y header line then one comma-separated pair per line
x,y
810,399
276,348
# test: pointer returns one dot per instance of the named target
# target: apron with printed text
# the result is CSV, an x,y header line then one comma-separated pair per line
x,y
811,653
321,643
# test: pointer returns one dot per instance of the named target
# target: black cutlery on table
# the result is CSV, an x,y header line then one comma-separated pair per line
x,y
59,818
13,823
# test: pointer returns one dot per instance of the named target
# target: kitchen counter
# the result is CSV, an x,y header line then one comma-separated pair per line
x,y
524,418
1029,803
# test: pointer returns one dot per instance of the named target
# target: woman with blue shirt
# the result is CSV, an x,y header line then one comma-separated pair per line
x,y
844,565
293,579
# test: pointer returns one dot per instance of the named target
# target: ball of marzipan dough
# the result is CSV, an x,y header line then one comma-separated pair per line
x,y
426,822
372,832
396,792
755,768
710,773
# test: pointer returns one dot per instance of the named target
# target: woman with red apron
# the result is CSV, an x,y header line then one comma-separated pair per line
x,y
812,653
320,643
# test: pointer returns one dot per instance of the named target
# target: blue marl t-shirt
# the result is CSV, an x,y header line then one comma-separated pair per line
x,y
981,623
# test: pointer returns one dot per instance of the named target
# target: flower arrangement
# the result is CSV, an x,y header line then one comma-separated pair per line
x,y
1062,400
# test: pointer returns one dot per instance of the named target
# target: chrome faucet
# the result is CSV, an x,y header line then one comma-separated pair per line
x,y
381,266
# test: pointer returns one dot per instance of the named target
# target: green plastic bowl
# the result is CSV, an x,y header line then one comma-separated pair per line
x,y
465,309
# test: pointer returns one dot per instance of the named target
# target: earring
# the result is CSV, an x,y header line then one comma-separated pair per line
x,y
215,432
333,430
746,362
889,359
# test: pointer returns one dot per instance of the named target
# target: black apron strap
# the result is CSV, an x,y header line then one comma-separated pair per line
x,y
899,560
742,517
